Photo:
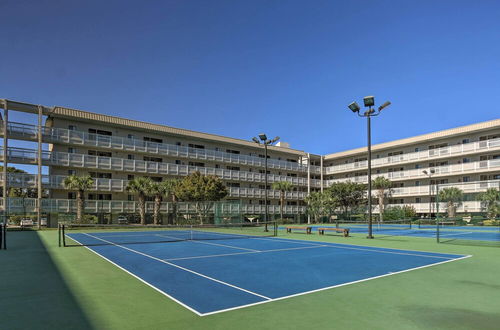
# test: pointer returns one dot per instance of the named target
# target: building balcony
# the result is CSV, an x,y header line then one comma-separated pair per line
x,y
24,180
464,207
440,171
425,155
29,205
79,138
29,156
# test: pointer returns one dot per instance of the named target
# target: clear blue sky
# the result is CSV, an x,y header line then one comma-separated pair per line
x,y
238,68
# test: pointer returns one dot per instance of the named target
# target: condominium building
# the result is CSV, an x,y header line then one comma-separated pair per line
x,y
115,150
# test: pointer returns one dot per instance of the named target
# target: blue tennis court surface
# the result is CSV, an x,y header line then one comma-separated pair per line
x,y
213,276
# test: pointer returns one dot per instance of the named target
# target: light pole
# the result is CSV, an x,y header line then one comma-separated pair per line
x,y
265,141
429,174
369,102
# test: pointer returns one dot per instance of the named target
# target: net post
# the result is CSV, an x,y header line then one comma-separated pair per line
x,y
5,236
59,233
1,236
63,232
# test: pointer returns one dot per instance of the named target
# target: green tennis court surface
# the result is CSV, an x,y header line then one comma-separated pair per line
x,y
44,286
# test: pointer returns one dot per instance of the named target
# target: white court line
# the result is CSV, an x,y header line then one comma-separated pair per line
x,y
239,253
180,267
216,244
462,233
332,287
368,248
140,279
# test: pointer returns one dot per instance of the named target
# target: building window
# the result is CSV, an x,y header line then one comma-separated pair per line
x,y
153,159
130,136
465,160
196,146
71,150
232,151
100,132
417,165
464,141
178,143
130,157
178,162
417,149
130,177
150,139
417,183
72,127
71,172
466,179
130,198
418,200
71,195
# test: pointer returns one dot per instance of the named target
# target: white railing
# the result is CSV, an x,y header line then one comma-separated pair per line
x,y
61,135
138,166
454,150
464,207
472,167
25,180
28,205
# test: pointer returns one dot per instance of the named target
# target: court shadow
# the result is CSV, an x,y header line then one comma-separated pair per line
x,y
449,318
33,293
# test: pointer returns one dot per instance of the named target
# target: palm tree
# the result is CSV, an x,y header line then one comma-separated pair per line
x,y
141,187
160,190
283,187
383,187
80,184
172,185
452,196
491,198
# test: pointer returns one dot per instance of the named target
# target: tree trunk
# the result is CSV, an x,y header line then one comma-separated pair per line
x,y
174,209
282,201
80,205
451,210
156,214
381,206
142,209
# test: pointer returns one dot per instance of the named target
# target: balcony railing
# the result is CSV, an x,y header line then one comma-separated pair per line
x,y
464,207
29,205
455,150
61,135
29,156
455,169
24,180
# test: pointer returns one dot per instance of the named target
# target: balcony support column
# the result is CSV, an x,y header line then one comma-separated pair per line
x,y
39,163
321,171
5,158
308,182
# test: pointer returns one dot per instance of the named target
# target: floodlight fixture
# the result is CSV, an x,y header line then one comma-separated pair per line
x,y
275,140
354,107
254,139
383,106
263,136
369,101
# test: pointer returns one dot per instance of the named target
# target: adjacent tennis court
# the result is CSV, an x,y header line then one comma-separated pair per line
x,y
210,272
406,228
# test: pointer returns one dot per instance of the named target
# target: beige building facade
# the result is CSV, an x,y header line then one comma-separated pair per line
x,y
115,150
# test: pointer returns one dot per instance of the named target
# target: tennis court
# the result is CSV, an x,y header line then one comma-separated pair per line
x,y
210,273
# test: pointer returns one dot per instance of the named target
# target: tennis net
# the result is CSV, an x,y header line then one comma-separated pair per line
x,y
377,226
92,234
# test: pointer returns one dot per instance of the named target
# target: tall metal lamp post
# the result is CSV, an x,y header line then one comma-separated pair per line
x,y
429,174
369,102
266,142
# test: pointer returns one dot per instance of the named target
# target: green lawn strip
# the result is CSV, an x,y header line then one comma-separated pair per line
x,y
460,295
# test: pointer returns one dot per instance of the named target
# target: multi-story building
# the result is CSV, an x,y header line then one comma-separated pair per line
x,y
115,150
